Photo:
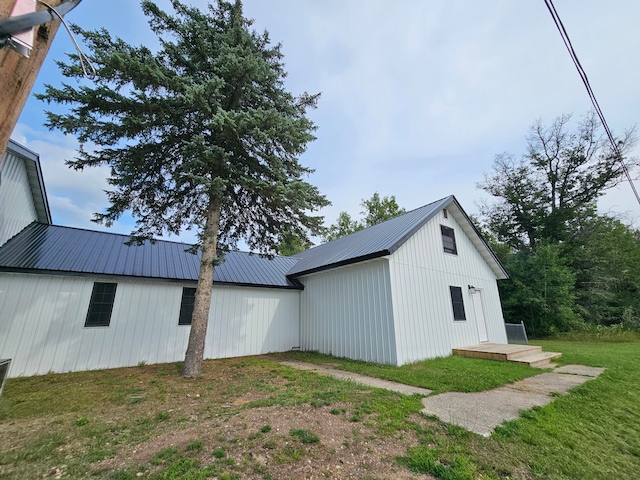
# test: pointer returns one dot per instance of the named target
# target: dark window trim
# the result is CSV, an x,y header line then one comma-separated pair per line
x,y
186,305
103,296
457,304
448,235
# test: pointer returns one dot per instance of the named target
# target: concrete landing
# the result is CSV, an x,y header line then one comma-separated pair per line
x,y
482,412
528,354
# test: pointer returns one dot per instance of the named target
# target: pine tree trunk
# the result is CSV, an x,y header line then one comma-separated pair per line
x,y
192,366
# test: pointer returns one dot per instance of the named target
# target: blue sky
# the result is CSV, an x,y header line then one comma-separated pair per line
x,y
417,97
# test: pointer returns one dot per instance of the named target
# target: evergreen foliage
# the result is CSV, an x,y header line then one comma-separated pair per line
x,y
201,134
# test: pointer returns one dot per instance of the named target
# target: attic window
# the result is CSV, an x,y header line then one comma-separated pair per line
x,y
445,213
457,303
186,306
101,304
448,240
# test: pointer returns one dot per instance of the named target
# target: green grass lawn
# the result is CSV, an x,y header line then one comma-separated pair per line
x,y
592,433
450,374
91,424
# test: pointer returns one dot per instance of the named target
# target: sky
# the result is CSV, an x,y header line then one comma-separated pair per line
x,y
417,97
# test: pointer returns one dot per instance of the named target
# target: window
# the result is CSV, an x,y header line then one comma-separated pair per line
x,y
186,306
101,305
457,303
448,240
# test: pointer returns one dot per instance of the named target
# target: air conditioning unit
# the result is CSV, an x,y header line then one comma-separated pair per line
x,y
4,372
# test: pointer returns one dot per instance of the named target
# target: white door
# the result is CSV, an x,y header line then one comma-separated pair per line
x,y
481,324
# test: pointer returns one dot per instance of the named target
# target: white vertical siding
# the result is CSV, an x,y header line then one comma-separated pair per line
x,y
421,274
16,203
42,324
347,312
252,321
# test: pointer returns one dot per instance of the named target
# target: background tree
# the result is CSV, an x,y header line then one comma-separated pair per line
x,y
375,210
200,134
558,181
540,290
606,260
565,261
292,243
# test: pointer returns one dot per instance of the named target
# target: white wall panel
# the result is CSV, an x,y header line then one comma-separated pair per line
x,y
347,312
42,324
16,203
421,274
252,321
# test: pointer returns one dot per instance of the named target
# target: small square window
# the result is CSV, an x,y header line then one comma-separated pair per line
x,y
448,240
458,303
101,304
186,306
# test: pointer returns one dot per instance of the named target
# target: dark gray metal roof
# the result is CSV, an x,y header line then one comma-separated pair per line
x,y
372,242
54,249
36,181
385,238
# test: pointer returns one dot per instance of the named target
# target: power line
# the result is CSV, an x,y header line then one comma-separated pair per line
x,y
583,75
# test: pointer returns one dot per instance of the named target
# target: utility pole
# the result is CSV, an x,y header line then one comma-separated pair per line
x,y
18,74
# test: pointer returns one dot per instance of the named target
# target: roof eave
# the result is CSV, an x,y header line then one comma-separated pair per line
x,y
293,285
36,180
342,263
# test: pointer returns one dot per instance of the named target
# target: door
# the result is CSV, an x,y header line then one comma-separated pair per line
x,y
481,323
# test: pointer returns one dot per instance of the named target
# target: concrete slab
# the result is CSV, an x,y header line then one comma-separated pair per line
x,y
546,383
580,370
481,412
360,379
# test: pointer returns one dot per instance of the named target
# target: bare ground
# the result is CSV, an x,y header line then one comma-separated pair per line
x,y
212,420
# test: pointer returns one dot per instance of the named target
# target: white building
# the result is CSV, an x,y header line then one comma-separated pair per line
x,y
411,288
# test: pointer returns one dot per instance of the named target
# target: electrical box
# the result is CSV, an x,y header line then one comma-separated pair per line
x,y
4,372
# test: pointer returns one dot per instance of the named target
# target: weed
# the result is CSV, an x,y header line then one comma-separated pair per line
x,y
266,429
305,436
288,454
219,453
162,416
195,446
82,421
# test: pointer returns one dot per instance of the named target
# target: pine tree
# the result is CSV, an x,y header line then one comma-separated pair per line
x,y
201,134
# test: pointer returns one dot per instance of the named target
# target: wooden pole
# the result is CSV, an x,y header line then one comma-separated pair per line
x,y
18,74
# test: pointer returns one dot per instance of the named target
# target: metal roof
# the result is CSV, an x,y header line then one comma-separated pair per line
x,y
385,238
34,175
54,249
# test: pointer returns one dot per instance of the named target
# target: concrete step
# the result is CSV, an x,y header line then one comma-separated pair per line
x,y
538,360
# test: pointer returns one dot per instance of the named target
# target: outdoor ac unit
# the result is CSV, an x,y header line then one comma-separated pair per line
x,y
4,372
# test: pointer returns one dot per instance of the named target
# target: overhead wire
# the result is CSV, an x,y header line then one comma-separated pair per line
x,y
81,55
583,75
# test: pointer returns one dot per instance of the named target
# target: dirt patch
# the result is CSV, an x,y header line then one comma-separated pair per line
x,y
259,441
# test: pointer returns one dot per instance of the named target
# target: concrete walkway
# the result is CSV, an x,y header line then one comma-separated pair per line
x,y
357,378
479,412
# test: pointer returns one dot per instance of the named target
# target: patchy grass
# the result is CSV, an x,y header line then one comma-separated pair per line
x,y
254,418
450,374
